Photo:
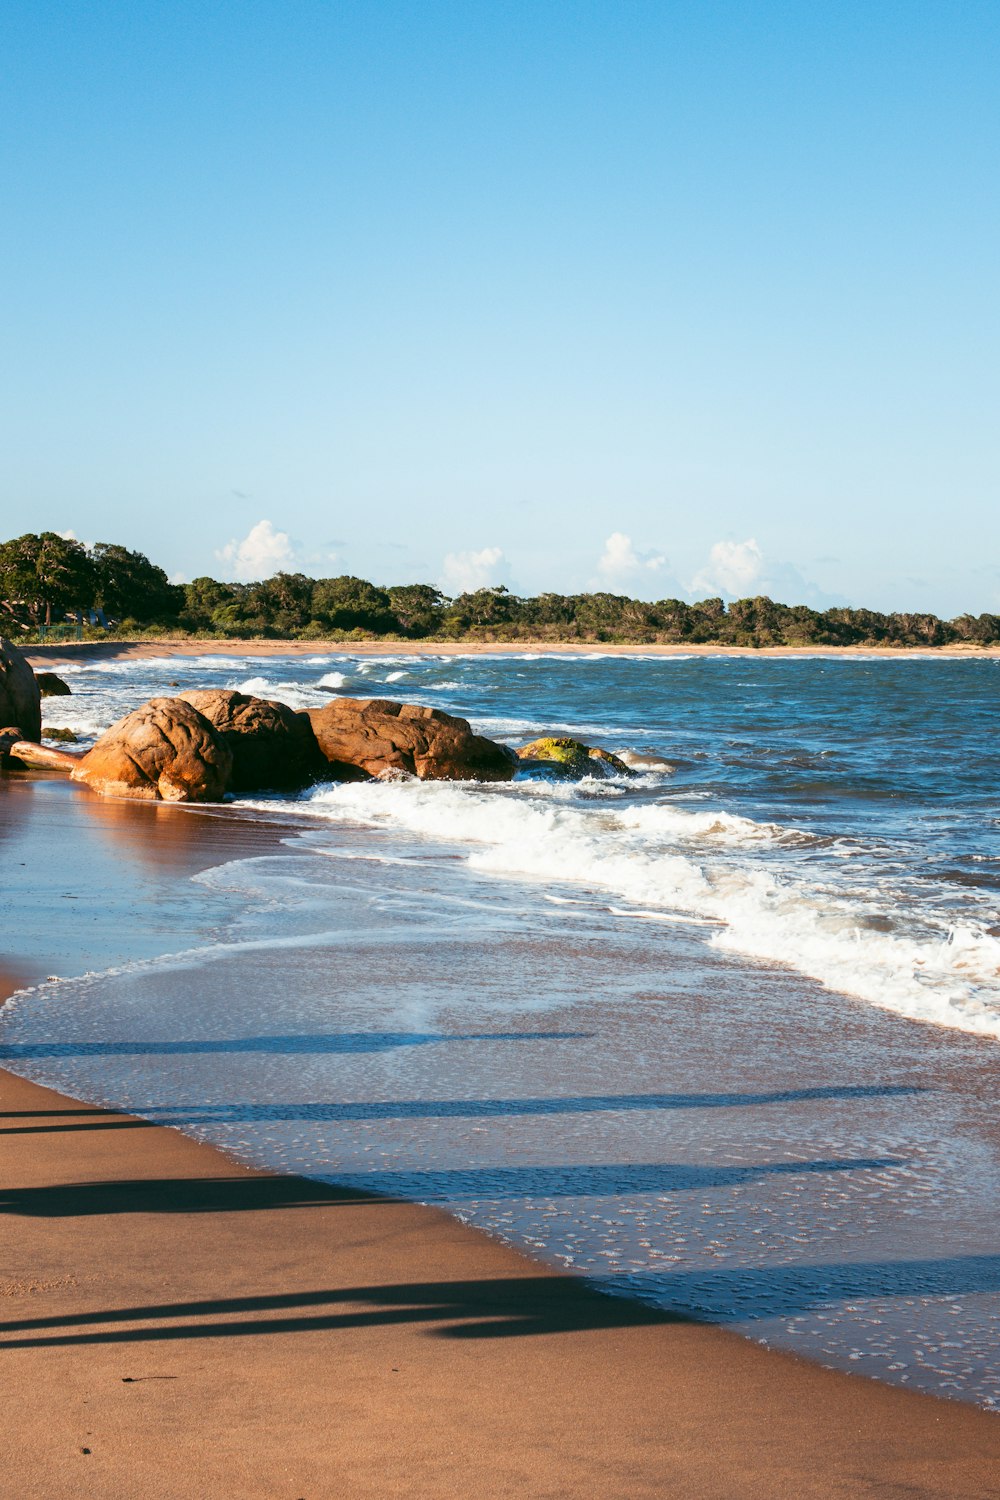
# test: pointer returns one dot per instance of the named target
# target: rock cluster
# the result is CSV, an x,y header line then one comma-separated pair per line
x,y
368,737
201,744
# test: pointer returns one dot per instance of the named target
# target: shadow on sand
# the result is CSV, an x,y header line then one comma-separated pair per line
x,y
505,1307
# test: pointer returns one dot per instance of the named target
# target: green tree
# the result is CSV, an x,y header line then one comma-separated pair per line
x,y
982,629
489,606
44,575
418,608
349,603
128,586
284,603
203,598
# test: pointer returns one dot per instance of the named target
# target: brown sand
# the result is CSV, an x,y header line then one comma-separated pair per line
x,y
174,1325
76,651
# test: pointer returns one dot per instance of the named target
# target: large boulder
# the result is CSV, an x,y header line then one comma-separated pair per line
x,y
51,686
366,737
165,751
560,756
272,746
20,701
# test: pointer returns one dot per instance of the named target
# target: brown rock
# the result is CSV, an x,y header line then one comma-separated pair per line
x,y
19,696
38,757
272,746
165,751
366,737
51,686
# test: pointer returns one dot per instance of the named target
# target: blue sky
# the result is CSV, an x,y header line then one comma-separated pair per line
x,y
667,298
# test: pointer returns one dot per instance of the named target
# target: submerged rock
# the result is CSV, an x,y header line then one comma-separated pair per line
x,y
20,700
165,751
365,737
272,746
51,686
571,758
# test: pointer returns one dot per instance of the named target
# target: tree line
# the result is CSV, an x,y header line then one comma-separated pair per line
x,y
46,578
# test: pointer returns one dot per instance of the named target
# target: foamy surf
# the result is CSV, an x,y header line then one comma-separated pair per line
x,y
813,847
662,857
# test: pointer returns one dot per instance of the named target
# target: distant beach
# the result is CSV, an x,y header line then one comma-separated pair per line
x,y
76,651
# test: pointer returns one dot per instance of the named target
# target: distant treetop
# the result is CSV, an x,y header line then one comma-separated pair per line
x,y
46,578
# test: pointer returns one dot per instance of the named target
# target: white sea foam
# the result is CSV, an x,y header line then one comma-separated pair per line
x,y
85,725
293,693
333,680
659,857
589,733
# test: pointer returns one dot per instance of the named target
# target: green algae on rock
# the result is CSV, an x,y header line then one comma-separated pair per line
x,y
573,758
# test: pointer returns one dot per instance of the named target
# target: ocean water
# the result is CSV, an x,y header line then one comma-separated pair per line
x,y
724,1037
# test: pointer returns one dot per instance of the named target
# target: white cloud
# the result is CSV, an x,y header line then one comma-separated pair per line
x,y
262,551
179,578
624,569
733,569
620,562
464,572
739,570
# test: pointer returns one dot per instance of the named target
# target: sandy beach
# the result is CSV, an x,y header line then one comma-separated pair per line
x,y
48,656
175,1324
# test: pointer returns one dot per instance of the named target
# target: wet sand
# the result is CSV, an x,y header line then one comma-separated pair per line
x,y
47,657
176,1325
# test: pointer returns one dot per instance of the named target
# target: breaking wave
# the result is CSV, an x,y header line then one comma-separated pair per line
x,y
718,866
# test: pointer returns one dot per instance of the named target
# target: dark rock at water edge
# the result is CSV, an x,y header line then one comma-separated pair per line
x,y
20,700
51,686
570,759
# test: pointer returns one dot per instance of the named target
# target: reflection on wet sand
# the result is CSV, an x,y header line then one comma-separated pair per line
x,y
89,882
161,834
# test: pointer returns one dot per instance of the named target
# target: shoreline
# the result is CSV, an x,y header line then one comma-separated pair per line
x,y
208,1328
282,1337
70,652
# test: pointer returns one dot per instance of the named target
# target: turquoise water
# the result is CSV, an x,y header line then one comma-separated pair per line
x,y
723,1037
